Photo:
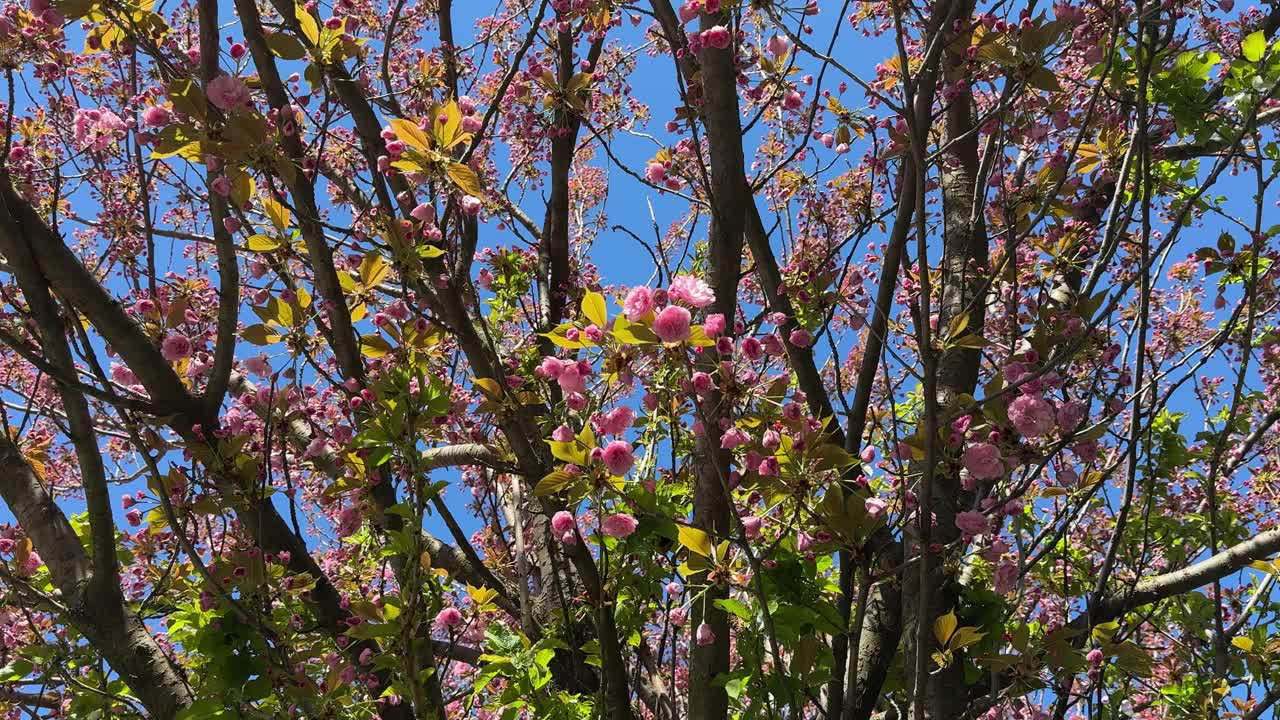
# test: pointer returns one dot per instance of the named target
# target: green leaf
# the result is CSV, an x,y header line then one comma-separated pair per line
x,y
260,335
1254,46
286,47
187,97
16,670
734,607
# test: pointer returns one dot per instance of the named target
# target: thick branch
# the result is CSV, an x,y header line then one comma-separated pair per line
x,y
112,628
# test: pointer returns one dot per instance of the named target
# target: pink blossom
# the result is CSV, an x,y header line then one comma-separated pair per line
x,y
619,526
705,635
258,365
778,45
672,324
1071,414
752,349
123,375
1006,578
638,303
772,344
679,616
448,617
562,522
734,437
562,434
228,92
718,37
618,457
690,290
772,440
875,507
971,522
471,205
800,338
155,116
570,378
98,129
550,367
654,172
424,212
751,525
714,325
983,461
1031,415
617,421
702,383
31,564
176,347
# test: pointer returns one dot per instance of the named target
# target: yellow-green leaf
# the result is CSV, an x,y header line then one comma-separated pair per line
x,y
446,133
944,627
964,637
558,337
695,540
595,309
698,337
374,346
429,252
410,134
286,46
570,452
242,186
481,595
489,387
586,438
629,333
465,178
1243,642
263,243
276,212
310,28
373,270
552,483
260,335
1254,46
187,97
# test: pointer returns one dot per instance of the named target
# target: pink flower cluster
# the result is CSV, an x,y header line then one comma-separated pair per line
x,y
570,374
98,129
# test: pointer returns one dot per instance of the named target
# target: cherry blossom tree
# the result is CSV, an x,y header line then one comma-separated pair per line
x,y
577,359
